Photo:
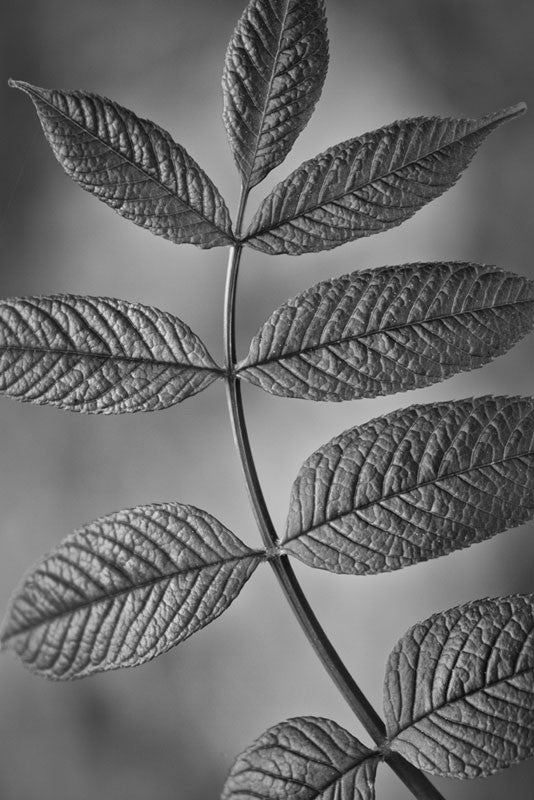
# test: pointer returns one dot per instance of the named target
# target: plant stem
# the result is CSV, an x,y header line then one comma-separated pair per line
x,y
419,785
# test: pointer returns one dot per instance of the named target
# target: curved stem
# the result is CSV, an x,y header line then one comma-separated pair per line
x,y
328,655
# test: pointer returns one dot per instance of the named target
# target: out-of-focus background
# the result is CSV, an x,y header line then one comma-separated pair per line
x,y
171,729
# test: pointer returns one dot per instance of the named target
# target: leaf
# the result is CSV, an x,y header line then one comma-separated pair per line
x,y
459,689
274,72
368,184
98,355
132,165
415,484
379,331
303,759
125,589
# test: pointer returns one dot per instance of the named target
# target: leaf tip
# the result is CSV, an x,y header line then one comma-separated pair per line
x,y
518,110
509,113
22,85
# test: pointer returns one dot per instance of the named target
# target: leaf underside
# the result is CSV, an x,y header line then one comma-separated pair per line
x,y
415,484
98,355
305,758
368,184
132,165
124,589
273,75
379,331
459,689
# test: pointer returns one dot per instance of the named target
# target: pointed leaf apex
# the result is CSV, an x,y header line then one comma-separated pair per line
x,y
33,92
24,86
517,110
508,114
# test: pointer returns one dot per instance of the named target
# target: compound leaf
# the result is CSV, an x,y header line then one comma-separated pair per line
x,y
274,72
415,484
379,331
125,589
132,165
98,355
305,758
368,184
459,689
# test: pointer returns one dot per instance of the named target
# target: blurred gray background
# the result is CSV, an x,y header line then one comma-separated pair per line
x,y
171,729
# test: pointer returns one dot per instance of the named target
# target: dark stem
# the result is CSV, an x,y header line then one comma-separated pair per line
x,y
419,785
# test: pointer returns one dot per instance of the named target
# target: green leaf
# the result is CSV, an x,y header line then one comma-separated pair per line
x,y
459,689
305,758
98,355
274,72
415,484
368,184
379,331
132,165
125,589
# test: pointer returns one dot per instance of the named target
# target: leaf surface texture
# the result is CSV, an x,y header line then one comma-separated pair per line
x,y
274,72
415,484
368,184
98,355
459,689
379,331
125,589
132,165
305,758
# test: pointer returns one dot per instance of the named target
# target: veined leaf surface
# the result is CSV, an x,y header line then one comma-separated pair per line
x,y
132,165
415,484
368,184
459,689
305,758
125,589
98,355
379,331
274,71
